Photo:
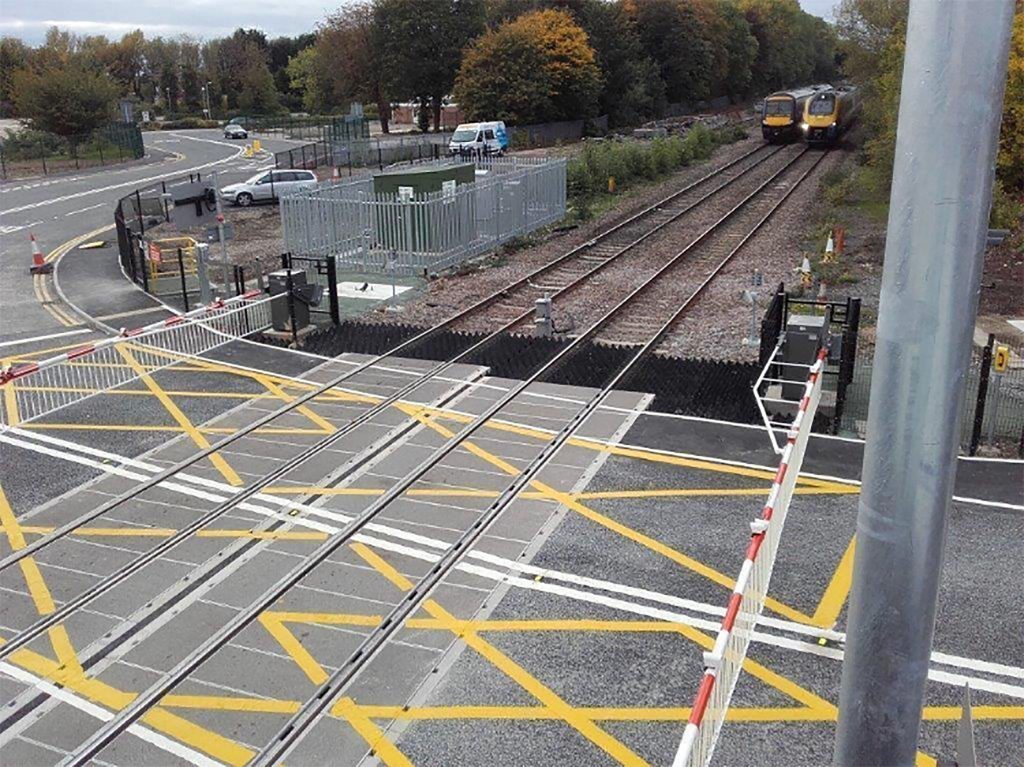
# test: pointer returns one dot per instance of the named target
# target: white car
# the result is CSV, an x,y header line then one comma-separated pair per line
x,y
268,185
234,130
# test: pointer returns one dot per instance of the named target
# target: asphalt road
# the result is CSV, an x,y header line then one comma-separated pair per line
x,y
58,208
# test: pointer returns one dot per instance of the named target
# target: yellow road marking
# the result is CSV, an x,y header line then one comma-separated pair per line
x,y
150,427
606,742
38,590
838,589
229,703
627,532
276,628
175,412
146,392
685,492
312,415
375,738
199,738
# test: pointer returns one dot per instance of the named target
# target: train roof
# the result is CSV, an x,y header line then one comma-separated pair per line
x,y
794,93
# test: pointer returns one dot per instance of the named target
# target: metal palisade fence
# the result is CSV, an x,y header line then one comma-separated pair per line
x,y
364,152
379,232
992,412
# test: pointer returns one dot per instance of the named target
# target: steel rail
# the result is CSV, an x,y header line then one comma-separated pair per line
x,y
70,527
146,700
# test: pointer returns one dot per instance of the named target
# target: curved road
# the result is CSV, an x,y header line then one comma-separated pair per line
x,y
59,209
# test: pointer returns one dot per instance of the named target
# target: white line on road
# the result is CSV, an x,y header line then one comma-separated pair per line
x,y
578,590
98,712
82,210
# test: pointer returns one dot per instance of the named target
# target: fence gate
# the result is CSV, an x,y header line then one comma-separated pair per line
x,y
323,271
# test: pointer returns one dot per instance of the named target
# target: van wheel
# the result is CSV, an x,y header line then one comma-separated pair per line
x,y
244,199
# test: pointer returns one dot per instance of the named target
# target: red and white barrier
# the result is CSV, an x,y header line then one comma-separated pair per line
x,y
36,389
723,663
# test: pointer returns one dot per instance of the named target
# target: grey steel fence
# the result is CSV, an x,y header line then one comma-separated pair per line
x,y
381,233
994,399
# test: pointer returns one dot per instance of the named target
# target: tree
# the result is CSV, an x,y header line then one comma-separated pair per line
x,y
66,101
537,68
304,78
256,92
733,47
676,39
1010,164
349,63
13,56
421,46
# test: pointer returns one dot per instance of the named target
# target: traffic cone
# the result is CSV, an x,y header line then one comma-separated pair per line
x,y
830,250
806,278
39,263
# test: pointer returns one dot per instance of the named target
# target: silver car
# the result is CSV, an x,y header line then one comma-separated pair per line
x,y
268,185
234,130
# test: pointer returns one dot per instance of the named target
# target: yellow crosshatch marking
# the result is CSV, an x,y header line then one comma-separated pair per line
x,y
361,716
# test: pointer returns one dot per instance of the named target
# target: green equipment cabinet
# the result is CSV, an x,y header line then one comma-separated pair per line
x,y
416,223
423,179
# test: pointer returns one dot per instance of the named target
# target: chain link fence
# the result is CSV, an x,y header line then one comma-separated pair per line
x,y
381,233
31,152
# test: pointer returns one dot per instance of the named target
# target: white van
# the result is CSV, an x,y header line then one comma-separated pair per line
x,y
479,138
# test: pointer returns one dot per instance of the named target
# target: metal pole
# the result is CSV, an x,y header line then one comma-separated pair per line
x,y
979,404
941,194
220,233
181,274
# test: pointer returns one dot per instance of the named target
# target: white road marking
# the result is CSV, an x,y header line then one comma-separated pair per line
x,y
98,712
510,565
83,210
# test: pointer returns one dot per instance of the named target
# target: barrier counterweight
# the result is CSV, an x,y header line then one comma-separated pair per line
x,y
722,664
35,390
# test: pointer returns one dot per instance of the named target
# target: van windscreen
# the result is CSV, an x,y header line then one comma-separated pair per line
x,y
464,135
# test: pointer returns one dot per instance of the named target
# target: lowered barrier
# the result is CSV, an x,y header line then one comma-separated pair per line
x,y
37,389
722,664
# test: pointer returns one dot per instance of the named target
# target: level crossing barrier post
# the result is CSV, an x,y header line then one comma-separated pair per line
x,y
181,274
979,405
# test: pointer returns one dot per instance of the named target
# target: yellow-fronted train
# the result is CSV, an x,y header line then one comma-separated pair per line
x,y
828,114
783,113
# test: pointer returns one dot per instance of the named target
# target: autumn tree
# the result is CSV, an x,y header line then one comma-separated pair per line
x,y
67,101
421,46
536,68
1010,164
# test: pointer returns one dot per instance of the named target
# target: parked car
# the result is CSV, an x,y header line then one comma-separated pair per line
x,y
268,185
234,130
479,138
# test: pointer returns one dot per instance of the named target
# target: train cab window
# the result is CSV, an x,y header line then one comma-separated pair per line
x,y
823,104
778,107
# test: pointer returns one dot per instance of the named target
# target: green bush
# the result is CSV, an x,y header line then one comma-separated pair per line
x,y
31,144
1007,211
184,123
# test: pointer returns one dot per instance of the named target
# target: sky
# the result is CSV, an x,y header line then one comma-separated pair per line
x,y
29,19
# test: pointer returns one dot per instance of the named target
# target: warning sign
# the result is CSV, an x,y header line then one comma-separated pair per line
x,y
154,253
1001,359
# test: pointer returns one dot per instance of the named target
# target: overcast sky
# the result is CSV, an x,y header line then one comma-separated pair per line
x,y
29,19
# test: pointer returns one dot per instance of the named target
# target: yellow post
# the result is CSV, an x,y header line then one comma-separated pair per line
x,y
255,145
611,185
248,150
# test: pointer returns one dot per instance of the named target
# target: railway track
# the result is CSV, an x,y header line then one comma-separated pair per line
x,y
711,253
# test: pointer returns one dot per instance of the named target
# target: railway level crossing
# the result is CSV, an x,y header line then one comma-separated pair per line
x,y
611,583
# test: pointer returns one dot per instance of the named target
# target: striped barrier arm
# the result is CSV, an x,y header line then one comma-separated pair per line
x,y
723,662
37,389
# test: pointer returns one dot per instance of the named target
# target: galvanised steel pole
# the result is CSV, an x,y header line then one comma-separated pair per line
x,y
953,80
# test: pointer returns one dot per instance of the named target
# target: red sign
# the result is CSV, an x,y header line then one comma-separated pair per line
x,y
154,253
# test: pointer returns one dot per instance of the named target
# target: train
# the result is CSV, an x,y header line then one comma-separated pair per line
x,y
783,113
828,114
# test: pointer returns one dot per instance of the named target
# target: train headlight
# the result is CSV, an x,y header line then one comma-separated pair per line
x,y
804,127
833,124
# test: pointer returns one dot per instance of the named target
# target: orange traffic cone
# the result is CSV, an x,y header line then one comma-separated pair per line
x,y
39,263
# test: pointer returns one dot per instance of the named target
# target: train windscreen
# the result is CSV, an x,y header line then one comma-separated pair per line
x,y
823,104
778,107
